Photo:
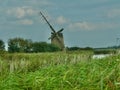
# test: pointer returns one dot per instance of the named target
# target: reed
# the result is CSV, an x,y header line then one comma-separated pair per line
x,y
59,71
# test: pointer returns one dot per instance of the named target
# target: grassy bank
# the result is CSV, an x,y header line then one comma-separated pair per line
x,y
59,71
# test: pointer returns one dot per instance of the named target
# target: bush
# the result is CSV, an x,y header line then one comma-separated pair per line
x,y
105,51
44,47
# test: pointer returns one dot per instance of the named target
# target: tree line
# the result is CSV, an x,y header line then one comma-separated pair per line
x,y
22,45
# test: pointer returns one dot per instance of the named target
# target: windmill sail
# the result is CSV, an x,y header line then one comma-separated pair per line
x,y
47,22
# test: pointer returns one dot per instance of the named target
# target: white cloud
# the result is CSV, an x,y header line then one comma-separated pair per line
x,y
30,11
81,26
26,22
61,20
92,26
113,13
17,12
20,12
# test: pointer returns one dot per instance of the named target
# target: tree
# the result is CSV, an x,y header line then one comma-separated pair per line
x,y
38,46
53,48
19,45
44,47
73,48
2,45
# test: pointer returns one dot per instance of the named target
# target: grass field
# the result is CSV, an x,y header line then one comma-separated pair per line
x,y
59,71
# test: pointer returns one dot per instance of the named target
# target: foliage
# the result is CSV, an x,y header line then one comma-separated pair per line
x,y
59,71
2,45
44,47
78,48
24,45
73,48
31,61
19,45
105,51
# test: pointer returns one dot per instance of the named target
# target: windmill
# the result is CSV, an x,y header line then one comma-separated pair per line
x,y
56,37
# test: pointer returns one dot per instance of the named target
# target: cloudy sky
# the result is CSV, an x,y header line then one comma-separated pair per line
x,y
93,23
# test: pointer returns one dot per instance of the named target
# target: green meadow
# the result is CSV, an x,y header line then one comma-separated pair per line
x,y
59,71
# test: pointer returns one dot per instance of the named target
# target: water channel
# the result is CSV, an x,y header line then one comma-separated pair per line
x,y
100,56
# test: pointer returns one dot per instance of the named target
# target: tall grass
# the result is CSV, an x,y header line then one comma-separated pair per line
x,y
59,71
30,62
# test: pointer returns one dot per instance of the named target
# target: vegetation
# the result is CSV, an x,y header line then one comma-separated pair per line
x,y
25,68
105,51
27,46
78,48
19,45
44,47
59,71
2,45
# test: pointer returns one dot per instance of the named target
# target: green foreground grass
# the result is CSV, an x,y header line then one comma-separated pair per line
x,y
59,71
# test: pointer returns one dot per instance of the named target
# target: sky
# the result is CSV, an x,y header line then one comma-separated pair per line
x,y
86,23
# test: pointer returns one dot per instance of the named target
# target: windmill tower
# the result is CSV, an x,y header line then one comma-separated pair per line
x,y
56,37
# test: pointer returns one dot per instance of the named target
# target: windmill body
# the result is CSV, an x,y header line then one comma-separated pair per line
x,y
58,41
56,37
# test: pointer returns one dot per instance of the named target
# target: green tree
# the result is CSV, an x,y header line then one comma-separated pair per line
x,y
73,48
19,45
2,45
53,48
44,47
39,47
